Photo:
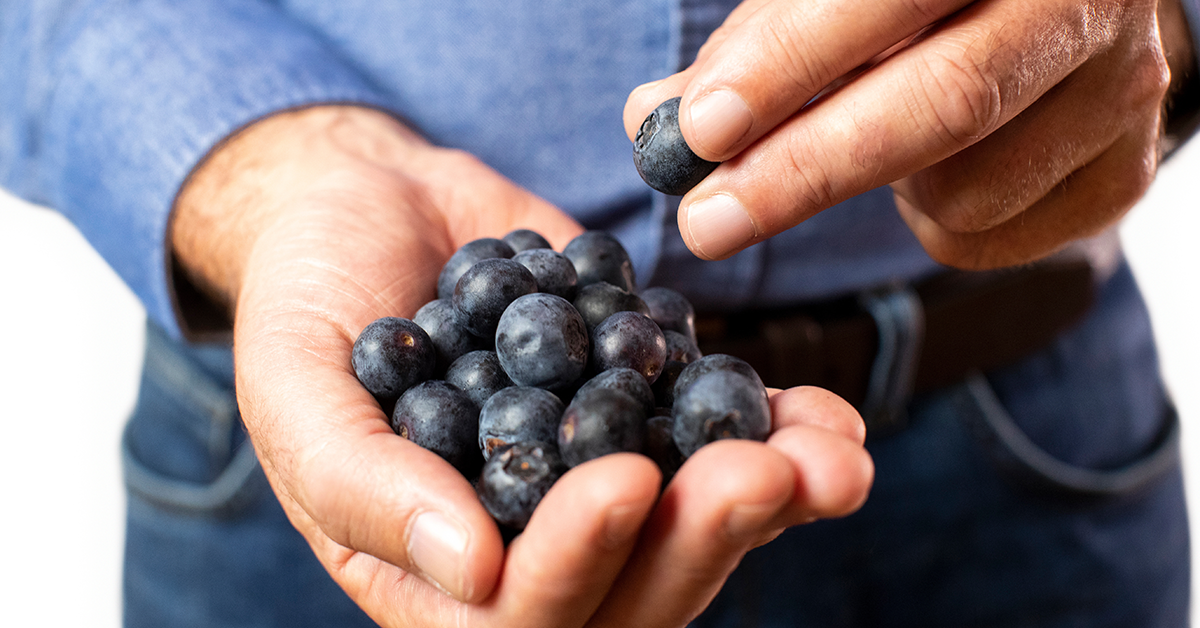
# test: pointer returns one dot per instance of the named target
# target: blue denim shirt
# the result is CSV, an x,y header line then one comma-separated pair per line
x,y
106,106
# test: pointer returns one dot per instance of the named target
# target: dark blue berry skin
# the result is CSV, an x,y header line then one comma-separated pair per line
x,y
663,157
555,274
478,374
660,446
467,256
629,340
627,381
452,341
391,355
518,414
515,480
525,239
541,341
486,290
599,422
443,419
671,310
664,386
680,348
598,301
715,362
720,404
598,256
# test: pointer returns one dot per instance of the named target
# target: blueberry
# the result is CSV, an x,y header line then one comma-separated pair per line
x,y
715,362
451,340
478,374
555,274
671,310
598,256
660,445
541,341
515,480
663,157
443,419
391,355
629,340
517,414
720,404
525,239
680,348
467,256
599,422
600,300
486,289
627,381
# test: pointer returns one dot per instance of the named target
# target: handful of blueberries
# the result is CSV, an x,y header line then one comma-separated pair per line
x,y
532,361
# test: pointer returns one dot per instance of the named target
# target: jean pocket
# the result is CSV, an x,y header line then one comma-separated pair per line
x,y
1022,460
184,448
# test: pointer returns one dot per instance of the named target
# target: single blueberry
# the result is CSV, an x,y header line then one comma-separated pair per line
x,y
478,374
391,355
452,341
515,480
671,310
467,256
517,414
663,157
485,291
599,256
555,274
443,419
600,300
541,341
525,239
598,422
718,405
629,340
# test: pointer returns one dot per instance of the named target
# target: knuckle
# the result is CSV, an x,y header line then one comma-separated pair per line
x,y
960,93
793,56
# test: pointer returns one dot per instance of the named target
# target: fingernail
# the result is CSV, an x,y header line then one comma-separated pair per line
x,y
436,545
719,120
717,226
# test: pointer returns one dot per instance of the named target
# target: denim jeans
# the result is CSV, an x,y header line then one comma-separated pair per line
x,y
1047,493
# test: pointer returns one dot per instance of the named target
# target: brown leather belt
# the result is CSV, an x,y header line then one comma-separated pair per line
x,y
973,321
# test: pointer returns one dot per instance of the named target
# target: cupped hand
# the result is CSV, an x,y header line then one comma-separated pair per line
x,y
1005,128
311,225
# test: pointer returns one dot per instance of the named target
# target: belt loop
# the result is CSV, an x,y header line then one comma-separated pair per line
x,y
900,321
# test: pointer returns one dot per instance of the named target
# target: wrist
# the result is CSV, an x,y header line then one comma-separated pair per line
x,y
256,179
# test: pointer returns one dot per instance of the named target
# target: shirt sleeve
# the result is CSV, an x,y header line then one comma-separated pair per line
x,y
107,105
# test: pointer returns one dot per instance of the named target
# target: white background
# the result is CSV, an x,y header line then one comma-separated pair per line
x,y
70,350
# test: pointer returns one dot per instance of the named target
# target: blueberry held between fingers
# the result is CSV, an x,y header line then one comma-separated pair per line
x,y
516,479
391,355
663,157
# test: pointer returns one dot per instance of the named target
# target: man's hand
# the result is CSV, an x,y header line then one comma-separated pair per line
x,y
1005,128
312,224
